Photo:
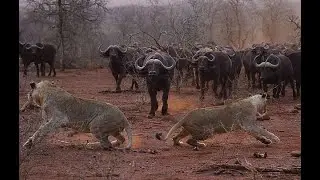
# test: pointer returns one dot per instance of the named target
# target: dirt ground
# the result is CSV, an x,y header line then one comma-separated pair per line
x,y
61,157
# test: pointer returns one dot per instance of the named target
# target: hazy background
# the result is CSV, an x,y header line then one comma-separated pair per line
x,y
82,25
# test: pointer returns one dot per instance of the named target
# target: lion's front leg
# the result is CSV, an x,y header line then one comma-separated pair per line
x,y
48,126
260,133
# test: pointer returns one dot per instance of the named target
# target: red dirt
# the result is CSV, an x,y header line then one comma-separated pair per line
x,y
55,159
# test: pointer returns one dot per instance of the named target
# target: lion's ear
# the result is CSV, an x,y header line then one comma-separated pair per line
x,y
32,85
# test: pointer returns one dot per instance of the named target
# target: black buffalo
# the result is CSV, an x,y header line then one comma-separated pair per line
x,y
295,58
121,63
235,57
183,64
39,54
159,70
275,70
259,52
215,66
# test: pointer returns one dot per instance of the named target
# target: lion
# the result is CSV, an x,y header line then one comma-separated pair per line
x,y
203,123
61,109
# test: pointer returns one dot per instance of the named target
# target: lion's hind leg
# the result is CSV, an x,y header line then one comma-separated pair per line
x,y
194,140
104,141
120,139
195,143
178,137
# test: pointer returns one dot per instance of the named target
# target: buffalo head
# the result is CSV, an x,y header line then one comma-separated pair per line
x,y
269,68
155,63
204,62
260,52
113,51
35,48
21,46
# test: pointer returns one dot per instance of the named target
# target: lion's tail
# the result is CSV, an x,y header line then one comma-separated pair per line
x,y
128,130
174,127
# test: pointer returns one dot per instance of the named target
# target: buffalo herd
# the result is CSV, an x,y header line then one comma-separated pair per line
x,y
264,64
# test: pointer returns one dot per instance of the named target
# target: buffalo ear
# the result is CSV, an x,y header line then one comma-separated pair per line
x,y
32,85
106,54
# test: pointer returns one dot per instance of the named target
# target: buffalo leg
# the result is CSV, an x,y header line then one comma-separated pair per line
x,y
178,83
50,70
278,89
215,87
265,87
120,77
136,85
259,81
25,70
196,75
298,88
117,77
283,90
253,80
154,103
37,67
249,79
230,85
223,92
165,96
53,69
293,88
43,69
193,81
202,89
274,91
133,82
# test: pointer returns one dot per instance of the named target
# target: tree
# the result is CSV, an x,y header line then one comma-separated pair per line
x,y
67,16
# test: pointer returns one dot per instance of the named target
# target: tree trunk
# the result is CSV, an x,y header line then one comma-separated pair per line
x,y
60,29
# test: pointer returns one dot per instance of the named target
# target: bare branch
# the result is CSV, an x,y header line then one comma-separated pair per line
x,y
294,20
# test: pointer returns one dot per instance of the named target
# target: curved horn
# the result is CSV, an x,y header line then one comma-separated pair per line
x,y
40,47
195,57
255,62
137,65
268,64
157,61
213,58
28,46
172,65
266,47
103,50
122,49
23,43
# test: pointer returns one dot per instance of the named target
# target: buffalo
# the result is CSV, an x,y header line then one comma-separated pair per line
x,y
215,66
159,70
121,63
275,70
235,57
295,58
259,53
39,54
183,64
